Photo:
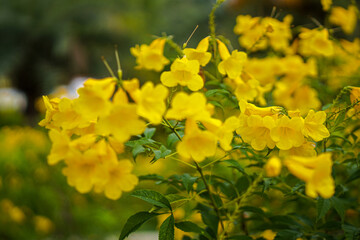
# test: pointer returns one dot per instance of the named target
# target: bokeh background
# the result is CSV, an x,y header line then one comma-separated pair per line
x,y
45,44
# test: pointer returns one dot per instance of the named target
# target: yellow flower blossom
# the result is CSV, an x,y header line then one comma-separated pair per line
x,y
316,172
60,146
43,224
200,53
273,167
120,179
51,108
314,126
67,118
231,65
287,132
94,98
122,122
150,100
345,18
315,43
326,4
192,106
268,234
307,149
183,72
196,144
151,56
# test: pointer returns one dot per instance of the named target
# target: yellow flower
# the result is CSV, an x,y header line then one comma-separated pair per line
x,y
345,18
192,106
120,179
122,122
67,118
268,234
94,98
200,53
315,43
307,149
314,126
251,109
287,132
326,4
43,224
244,23
60,146
273,167
183,72
51,108
150,100
316,172
196,144
150,57
230,65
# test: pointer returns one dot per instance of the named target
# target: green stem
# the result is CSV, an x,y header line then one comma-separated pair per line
x,y
217,210
172,128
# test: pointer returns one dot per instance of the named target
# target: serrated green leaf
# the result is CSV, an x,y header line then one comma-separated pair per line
x,y
236,165
134,222
212,92
212,221
152,197
149,132
187,226
171,140
323,206
339,206
217,104
351,232
188,181
137,150
167,228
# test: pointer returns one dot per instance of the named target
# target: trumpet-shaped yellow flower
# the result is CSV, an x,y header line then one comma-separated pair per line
x,y
60,146
250,109
150,100
151,56
94,98
51,108
230,65
122,122
200,53
315,43
345,18
326,4
196,144
194,106
287,132
183,72
119,179
314,126
316,172
273,167
307,149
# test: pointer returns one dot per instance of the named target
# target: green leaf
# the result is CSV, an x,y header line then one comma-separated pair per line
x,y
323,206
217,104
188,226
240,237
149,132
212,92
340,118
236,165
161,153
253,210
137,150
339,206
242,184
152,197
287,235
153,177
171,140
351,232
210,220
134,222
188,181
355,175
167,229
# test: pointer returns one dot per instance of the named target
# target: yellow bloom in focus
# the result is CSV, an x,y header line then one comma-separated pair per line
x,y
51,108
307,149
150,100
67,118
315,42
250,109
196,144
230,65
345,18
200,53
192,106
151,56
326,4
316,172
314,126
94,98
43,224
183,72
122,122
273,167
287,132
120,179
60,146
